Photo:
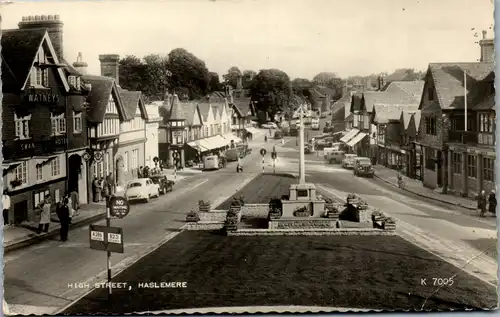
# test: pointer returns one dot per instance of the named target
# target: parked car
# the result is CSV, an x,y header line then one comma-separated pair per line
x,y
335,157
363,167
142,189
348,161
269,125
165,184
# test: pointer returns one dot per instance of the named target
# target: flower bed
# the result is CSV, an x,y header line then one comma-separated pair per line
x,y
233,215
204,206
193,216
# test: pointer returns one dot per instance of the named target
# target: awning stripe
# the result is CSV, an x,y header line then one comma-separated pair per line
x,y
349,135
356,139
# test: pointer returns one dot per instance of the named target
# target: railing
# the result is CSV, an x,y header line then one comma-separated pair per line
x,y
465,137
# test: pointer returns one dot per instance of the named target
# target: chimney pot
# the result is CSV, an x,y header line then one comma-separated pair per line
x,y
44,17
51,17
57,17
37,18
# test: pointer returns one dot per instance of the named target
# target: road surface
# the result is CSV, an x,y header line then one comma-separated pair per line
x,y
454,233
37,278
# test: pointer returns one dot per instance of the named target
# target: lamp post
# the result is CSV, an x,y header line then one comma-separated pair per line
x,y
302,167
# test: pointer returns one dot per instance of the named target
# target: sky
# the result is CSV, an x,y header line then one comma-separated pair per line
x,y
300,37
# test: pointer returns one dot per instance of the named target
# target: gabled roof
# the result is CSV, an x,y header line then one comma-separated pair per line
x,y
177,111
19,49
102,89
406,117
204,110
416,119
216,112
384,113
393,95
131,100
448,79
243,106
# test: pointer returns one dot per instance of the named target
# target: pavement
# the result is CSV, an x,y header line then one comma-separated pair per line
x,y
45,277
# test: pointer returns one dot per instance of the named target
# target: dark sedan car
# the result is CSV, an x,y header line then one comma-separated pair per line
x,y
165,184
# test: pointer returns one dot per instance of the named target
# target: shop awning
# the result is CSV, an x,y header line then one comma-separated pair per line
x,y
349,135
356,139
252,130
197,146
208,144
220,141
230,136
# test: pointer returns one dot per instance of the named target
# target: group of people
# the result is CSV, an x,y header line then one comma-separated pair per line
x,y
102,188
483,202
146,172
66,209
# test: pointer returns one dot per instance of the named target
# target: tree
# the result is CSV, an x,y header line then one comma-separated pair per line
x,y
299,84
189,72
271,89
214,82
156,76
231,78
248,75
324,77
131,74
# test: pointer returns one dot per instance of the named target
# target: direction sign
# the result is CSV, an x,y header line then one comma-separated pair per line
x,y
86,156
98,156
118,207
263,152
104,238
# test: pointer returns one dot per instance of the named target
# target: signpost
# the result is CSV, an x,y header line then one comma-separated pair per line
x,y
107,238
98,156
263,153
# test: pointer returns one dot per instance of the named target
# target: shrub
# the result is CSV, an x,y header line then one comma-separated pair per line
x,y
192,216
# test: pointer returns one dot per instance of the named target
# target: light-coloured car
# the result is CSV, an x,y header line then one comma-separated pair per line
x,y
348,161
142,189
269,125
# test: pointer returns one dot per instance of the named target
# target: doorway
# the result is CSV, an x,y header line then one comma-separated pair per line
x,y
74,171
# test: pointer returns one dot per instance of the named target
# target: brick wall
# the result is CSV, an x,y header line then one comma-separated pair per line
x,y
79,140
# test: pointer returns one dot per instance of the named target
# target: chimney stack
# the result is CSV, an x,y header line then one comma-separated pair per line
x,y
54,27
110,66
80,65
381,82
487,49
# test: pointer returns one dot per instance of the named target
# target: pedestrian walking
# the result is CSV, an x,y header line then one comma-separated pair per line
x,y
64,216
481,203
6,207
95,191
282,142
67,198
492,200
45,208
105,189
139,172
265,138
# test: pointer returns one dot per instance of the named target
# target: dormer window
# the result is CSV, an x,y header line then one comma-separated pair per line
x,y
58,123
39,77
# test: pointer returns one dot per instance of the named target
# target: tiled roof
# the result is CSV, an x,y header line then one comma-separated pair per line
x,y
316,94
99,97
216,111
390,96
398,75
416,118
385,113
130,101
406,116
449,82
19,48
204,110
243,106
487,104
177,112
339,106
413,88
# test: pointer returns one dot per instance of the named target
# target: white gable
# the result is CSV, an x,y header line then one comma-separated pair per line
x,y
46,49
196,118
210,116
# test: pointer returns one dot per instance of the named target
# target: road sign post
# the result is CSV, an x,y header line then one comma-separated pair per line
x,y
274,155
107,238
263,153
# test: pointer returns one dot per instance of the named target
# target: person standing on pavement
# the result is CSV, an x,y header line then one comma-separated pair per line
x,y
481,203
6,207
45,207
105,189
492,200
75,201
64,215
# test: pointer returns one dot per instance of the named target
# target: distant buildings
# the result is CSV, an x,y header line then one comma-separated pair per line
x,y
421,127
